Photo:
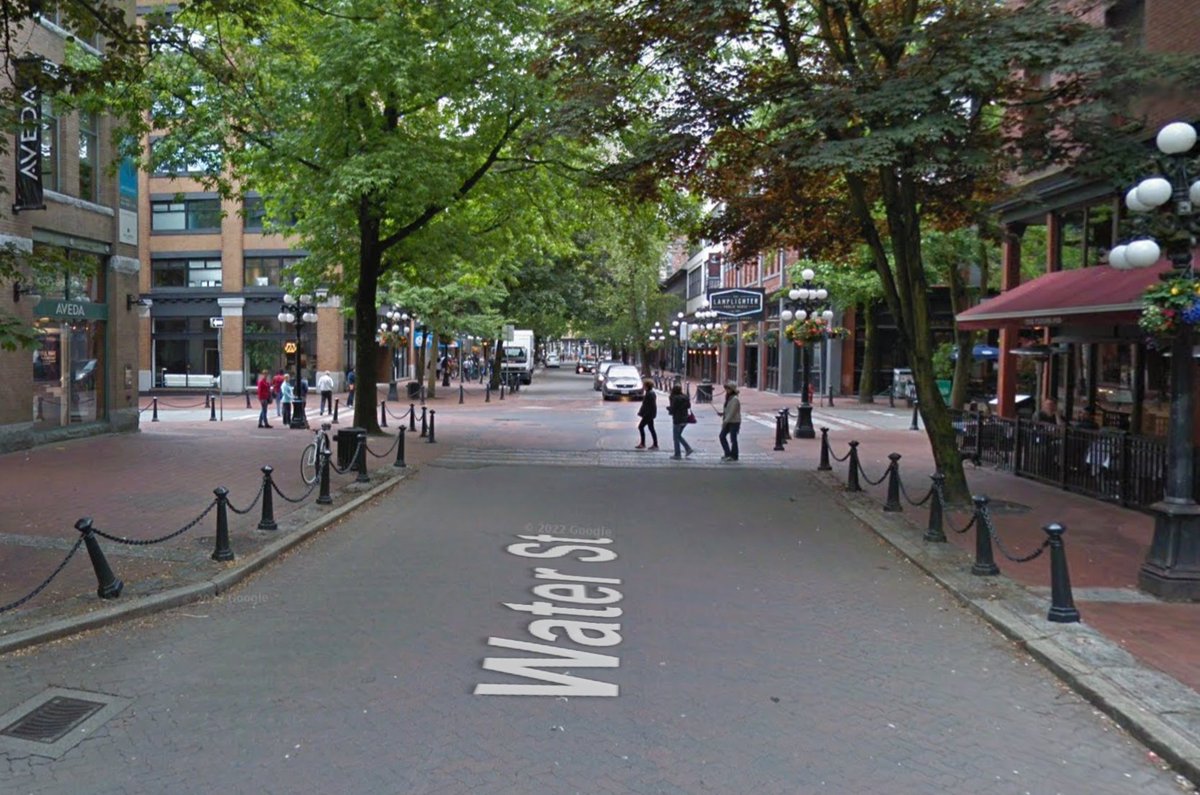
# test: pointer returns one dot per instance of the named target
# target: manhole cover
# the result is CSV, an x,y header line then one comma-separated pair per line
x,y
55,721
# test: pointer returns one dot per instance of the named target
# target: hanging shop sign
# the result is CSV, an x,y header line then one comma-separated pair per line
x,y
63,309
29,195
738,303
289,347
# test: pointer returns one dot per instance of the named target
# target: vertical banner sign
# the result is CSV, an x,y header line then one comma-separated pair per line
x,y
29,136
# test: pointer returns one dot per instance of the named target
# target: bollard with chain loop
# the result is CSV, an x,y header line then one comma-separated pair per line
x,y
852,480
778,433
432,416
412,417
212,414
360,459
400,450
267,522
824,465
985,564
933,531
223,551
424,423
383,414
107,584
892,505
1062,605
323,457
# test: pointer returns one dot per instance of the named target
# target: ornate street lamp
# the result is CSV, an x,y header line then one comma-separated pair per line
x,y
300,310
390,328
1172,567
807,300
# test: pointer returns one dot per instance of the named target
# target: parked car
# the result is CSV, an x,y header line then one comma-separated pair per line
x,y
601,369
586,365
622,380
552,360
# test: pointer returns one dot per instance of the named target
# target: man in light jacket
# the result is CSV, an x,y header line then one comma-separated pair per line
x,y
731,422
325,387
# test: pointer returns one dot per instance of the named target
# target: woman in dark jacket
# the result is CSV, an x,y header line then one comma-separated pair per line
x,y
679,408
648,412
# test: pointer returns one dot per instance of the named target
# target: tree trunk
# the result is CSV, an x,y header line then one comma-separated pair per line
x,y
866,381
497,360
370,257
431,362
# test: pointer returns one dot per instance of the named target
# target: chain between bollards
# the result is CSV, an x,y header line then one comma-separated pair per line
x,y
267,522
823,465
432,416
985,564
1062,605
400,449
892,505
852,479
933,531
222,551
107,584
383,414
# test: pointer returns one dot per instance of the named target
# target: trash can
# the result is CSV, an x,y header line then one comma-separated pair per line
x,y
413,388
704,392
347,444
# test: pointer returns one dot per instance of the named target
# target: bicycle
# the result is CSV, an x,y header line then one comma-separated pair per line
x,y
310,459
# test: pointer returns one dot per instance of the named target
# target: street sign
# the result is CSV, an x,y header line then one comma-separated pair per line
x,y
216,322
289,347
508,332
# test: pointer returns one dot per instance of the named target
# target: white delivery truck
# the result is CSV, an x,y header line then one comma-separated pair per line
x,y
517,362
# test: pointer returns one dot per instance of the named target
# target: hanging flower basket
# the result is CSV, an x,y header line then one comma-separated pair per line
x,y
813,329
1170,307
750,336
772,338
392,339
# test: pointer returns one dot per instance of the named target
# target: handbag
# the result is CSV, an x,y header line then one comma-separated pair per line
x,y
691,418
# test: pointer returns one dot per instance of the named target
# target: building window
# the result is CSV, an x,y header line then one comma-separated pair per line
x,y
189,215
267,271
695,282
186,272
89,156
254,211
51,130
167,163
184,345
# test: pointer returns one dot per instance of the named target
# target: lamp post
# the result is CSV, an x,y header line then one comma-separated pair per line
x,y
1171,570
656,338
300,310
806,300
389,328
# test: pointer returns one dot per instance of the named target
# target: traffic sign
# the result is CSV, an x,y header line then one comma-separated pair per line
x,y
216,322
289,347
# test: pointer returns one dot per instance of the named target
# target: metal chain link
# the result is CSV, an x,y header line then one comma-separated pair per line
x,y
987,517
201,404
387,452
257,497
946,513
40,588
350,467
909,500
835,457
401,416
882,477
133,542
302,497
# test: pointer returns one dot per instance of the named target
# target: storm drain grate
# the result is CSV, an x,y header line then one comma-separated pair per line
x,y
51,721
56,720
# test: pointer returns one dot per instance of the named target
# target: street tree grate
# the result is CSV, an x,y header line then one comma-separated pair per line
x,y
56,720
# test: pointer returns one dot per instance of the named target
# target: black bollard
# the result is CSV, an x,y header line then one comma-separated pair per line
x,y
891,399
852,479
207,399
823,465
487,393
335,410
502,390
778,433
1062,605
893,488
212,414
154,408
107,584
787,424
267,522
223,551
360,462
400,450
247,398
412,417
323,497
383,414
914,427
432,416
461,392
934,532
831,396
985,565
424,426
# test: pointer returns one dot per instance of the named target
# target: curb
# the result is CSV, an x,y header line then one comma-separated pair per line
x,y
213,586
1157,709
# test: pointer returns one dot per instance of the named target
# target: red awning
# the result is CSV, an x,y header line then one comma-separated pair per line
x,y
1099,295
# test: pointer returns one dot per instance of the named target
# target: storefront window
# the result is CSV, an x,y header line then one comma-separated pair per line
x,y
184,346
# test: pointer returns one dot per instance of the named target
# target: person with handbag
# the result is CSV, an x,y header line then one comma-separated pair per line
x,y
680,409
731,422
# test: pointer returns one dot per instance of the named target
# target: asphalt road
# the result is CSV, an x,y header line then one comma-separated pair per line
x,y
739,633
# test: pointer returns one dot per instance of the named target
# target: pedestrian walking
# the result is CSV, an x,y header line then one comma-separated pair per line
x,y
680,409
286,396
350,389
277,391
325,387
264,398
731,422
648,412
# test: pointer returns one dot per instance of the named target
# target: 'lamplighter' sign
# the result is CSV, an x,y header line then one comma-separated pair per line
x,y
737,304
29,136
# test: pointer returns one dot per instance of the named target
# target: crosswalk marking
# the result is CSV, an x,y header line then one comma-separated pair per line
x,y
839,423
618,459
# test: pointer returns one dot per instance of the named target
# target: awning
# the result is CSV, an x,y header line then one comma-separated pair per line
x,y
1099,295
981,353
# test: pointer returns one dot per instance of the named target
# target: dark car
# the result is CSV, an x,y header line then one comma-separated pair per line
x,y
585,365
